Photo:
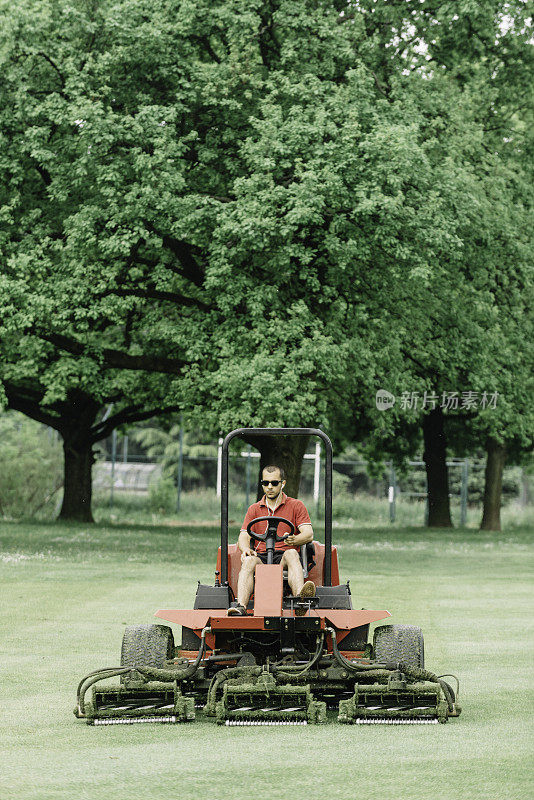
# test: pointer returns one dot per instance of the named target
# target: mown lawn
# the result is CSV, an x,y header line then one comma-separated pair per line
x,y
68,591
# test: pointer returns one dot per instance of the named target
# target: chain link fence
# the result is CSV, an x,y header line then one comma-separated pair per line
x,y
200,476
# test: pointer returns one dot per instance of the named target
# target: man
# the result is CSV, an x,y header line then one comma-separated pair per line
x,y
274,503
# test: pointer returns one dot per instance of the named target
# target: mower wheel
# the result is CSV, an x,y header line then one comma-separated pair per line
x,y
146,646
399,643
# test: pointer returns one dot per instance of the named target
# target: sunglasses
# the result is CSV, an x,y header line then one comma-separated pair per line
x,y
272,483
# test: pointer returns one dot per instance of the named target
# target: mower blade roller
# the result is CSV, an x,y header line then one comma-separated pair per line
x,y
415,703
287,660
265,701
151,703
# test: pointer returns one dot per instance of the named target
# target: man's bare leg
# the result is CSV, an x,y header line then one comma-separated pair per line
x,y
295,575
245,581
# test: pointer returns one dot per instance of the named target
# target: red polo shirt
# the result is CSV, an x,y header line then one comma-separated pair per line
x,y
290,508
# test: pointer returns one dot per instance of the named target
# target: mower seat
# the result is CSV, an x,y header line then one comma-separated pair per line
x,y
317,571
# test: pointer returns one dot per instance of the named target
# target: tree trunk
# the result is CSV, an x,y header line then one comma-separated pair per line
x,y
491,515
435,458
284,451
78,460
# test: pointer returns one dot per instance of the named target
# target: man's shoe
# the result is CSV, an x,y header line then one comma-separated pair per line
x,y
308,590
236,610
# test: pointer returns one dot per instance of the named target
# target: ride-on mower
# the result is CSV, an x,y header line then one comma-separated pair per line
x,y
287,661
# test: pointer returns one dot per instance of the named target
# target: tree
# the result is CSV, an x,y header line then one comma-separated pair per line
x,y
119,201
477,98
228,195
143,215
83,270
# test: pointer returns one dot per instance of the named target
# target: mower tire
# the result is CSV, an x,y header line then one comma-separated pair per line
x,y
393,643
147,646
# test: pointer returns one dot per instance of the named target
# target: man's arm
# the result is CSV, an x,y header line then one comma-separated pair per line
x,y
304,536
243,543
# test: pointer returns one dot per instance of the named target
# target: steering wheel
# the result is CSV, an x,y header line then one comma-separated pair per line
x,y
272,529
270,537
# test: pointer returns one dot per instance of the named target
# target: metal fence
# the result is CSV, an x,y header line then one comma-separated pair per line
x,y
119,474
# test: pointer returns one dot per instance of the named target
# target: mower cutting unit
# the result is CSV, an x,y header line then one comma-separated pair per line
x,y
288,661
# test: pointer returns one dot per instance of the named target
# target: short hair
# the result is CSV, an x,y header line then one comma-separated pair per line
x,y
273,468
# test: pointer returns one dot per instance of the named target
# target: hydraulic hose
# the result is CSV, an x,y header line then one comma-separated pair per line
x,y
148,673
111,670
418,674
89,680
415,673
282,672
220,677
457,694
346,664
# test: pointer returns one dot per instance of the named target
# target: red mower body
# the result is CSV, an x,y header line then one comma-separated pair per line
x,y
268,603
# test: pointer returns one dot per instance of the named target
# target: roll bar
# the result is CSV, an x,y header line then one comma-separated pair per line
x,y
327,491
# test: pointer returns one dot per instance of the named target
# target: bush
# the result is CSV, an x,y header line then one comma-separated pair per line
x,y
31,467
162,496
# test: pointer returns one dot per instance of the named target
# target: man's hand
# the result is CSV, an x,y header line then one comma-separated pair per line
x,y
304,536
247,552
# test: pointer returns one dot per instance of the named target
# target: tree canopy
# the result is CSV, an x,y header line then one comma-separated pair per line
x,y
260,212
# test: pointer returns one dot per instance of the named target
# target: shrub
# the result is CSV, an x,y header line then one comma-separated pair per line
x,y
31,467
162,495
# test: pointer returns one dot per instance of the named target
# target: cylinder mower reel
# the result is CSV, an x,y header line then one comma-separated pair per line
x,y
287,661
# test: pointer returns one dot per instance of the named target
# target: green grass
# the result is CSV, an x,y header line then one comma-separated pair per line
x,y
68,590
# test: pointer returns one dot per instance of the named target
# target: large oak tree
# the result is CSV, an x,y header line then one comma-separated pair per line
x,y
218,206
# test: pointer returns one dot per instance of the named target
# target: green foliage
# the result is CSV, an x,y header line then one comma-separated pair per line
x,y
162,496
470,315
162,444
30,468
262,213
414,480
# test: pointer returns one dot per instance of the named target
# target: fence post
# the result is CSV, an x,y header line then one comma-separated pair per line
x,y
426,499
463,492
125,450
113,459
219,466
526,493
180,464
392,493
317,474
249,448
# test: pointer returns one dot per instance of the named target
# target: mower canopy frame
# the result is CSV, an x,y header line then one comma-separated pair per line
x,y
327,491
